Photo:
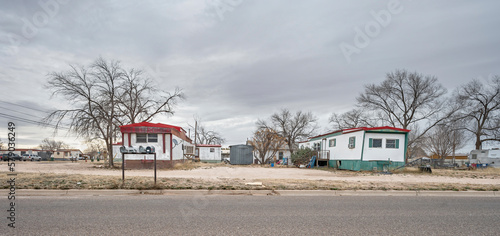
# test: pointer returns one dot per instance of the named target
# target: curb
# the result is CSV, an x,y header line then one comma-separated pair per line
x,y
304,193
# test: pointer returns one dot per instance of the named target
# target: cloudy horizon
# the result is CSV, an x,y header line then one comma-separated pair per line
x,y
239,60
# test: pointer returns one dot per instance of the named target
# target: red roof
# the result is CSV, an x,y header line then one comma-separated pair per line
x,y
158,125
208,145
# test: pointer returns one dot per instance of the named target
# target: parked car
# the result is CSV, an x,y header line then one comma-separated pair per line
x,y
31,157
15,157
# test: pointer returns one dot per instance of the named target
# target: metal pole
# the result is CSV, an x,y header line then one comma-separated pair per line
x,y
123,168
155,167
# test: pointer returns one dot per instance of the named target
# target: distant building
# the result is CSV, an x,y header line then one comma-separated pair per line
x,y
209,153
460,159
487,157
66,153
282,154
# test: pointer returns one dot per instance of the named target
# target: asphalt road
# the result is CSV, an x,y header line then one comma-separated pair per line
x,y
253,215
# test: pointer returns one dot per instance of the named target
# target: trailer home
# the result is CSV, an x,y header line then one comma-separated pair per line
x,y
378,148
485,157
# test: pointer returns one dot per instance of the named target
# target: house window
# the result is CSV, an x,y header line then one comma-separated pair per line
x,y
152,138
332,142
317,146
141,138
474,156
392,143
212,149
146,138
375,143
352,142
280,155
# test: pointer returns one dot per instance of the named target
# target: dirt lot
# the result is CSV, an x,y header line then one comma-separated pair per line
x,y
67,175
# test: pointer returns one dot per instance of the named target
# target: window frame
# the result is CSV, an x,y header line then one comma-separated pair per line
x,y
332,142
396,143
352,142
371,142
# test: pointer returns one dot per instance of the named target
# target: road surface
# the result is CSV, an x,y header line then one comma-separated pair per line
x,y
253,215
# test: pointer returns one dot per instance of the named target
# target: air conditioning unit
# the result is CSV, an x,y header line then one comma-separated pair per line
x,y
351,145
150,149
129,149
188,149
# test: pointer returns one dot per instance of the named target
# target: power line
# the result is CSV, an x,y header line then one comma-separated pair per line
x,y
19,112
25,106
31,121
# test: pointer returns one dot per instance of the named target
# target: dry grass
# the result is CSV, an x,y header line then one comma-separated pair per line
x,y
75,181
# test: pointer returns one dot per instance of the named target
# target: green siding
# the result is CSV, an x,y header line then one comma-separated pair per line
x,y
358,165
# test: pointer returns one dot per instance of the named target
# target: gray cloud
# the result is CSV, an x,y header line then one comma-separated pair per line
x,y
258,57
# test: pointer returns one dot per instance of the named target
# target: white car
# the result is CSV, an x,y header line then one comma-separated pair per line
x,y
31,157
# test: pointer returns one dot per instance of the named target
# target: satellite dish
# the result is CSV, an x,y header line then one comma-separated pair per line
x,y
175,141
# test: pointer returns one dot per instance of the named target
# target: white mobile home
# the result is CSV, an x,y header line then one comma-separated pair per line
x,y
362,148
487,157
170,143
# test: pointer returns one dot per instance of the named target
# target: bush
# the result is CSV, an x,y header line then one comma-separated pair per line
x,y
302,156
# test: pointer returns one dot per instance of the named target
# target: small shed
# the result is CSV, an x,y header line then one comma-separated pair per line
x,y
241,154
209,153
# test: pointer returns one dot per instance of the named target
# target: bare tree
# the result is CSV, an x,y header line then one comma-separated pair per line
x,y
140,101
405,99
51,145
292,127
95,147
102,100
352,119
204,135
443,140
480,107
1,144
266,143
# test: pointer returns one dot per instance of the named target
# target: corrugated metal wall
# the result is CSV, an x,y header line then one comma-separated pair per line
x,y
241,154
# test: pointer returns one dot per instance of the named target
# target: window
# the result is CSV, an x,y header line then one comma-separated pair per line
x,y
375,143
474,156
332,142
317,146
212,149
141,138
280,155
392,143
152,138
146,138
352,142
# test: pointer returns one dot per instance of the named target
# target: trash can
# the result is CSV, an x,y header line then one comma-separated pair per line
x,y
272,164
52,159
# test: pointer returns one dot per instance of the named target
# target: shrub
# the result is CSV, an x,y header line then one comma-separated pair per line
x,y
302,156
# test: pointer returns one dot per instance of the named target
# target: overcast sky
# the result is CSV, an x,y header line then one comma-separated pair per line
x,y
240,60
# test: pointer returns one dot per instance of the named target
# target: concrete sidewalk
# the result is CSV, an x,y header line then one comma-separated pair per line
x,y
123,192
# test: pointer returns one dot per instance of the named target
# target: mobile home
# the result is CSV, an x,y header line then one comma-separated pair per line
x,y
378,148
486,157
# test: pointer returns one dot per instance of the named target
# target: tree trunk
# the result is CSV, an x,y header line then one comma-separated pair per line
x,y
478,142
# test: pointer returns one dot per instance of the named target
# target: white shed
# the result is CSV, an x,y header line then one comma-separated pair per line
x,y
209,153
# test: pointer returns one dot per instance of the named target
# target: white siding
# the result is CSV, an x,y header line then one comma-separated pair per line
x,y
206,155
342,151
383,153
